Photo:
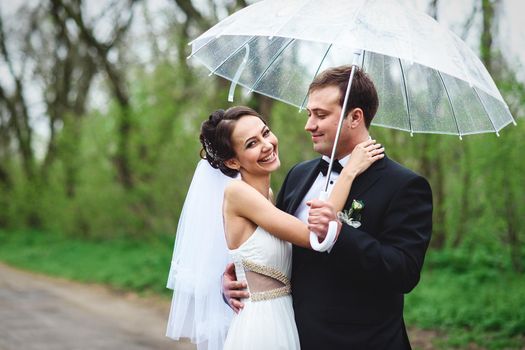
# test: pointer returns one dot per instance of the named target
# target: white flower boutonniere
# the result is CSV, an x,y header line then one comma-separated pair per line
x,y
352,216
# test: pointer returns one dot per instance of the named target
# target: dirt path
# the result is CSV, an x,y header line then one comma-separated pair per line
x,y
44,313
38,312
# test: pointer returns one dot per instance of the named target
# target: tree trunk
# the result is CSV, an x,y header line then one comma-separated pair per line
x,y
18,112
67,89
118,85
464,207
512,226
486,33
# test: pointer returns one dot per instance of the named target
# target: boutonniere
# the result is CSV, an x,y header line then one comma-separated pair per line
x,y
352,216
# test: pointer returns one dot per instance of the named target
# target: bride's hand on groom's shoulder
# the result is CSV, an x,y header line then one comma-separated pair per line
x,y
363,155
232,290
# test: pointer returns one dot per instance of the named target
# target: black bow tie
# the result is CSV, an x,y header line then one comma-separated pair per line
x,y
323,167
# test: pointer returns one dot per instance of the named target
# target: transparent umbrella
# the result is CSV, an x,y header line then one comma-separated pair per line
x,y
428,79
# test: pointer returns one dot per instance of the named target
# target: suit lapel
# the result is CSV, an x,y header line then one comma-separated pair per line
x,y
366,180
304,186
360,185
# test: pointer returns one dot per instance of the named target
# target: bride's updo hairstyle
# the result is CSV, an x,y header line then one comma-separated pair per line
x,y
216,135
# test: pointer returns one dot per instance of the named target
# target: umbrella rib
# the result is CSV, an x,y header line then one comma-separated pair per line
x,y
316,72
272,61
406,96
196,51
237,50
450,102
201,47
486,111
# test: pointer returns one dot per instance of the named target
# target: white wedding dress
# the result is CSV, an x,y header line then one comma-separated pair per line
x,y
267,319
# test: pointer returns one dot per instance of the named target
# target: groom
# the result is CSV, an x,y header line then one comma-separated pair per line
x,y
352,297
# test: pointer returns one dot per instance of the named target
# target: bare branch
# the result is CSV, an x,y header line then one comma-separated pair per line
x,y
17,107
3,49
121,30
193,14
433,9
470,21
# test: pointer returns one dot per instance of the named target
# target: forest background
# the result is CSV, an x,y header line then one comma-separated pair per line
x,y
99,120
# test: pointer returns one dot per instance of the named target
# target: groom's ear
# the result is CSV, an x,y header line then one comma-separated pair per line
x,y
356,117
233,163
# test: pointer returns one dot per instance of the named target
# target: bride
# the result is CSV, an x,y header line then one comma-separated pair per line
x,y
233,218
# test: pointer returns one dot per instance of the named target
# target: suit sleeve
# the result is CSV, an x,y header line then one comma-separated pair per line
x,y
280,202
393,258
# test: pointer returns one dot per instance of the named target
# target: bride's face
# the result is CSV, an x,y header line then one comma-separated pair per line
x,y
255,147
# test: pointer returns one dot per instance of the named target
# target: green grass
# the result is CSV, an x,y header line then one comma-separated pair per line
x,y
124,264
471,299
469,296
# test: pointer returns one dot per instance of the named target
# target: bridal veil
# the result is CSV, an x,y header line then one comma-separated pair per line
x,y
199,258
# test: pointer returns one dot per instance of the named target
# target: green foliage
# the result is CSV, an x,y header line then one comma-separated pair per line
x,y
81,195
472,296
123,263
294,143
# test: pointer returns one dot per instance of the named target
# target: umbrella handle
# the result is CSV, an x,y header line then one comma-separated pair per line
x,y
331,235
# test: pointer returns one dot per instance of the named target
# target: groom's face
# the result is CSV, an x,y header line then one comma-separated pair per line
x,y
324,112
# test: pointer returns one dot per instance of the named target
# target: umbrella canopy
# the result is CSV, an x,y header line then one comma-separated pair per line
x,y
428,79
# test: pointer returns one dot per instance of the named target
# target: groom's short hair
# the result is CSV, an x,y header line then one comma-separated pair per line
x,y
363,93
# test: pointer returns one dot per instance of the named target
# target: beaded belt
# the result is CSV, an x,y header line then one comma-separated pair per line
x,y
269,272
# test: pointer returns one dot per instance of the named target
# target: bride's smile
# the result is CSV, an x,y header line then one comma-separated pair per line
x,y
269,159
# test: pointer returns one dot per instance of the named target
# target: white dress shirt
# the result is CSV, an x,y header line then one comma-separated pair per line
x,y
302,211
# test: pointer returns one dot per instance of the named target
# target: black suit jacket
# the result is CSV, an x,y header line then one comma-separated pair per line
x,y
352,297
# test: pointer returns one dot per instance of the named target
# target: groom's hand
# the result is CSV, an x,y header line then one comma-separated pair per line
x,y
232,289
319,216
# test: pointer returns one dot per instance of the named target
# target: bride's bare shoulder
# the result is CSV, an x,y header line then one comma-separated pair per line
x,y
236,186
238,189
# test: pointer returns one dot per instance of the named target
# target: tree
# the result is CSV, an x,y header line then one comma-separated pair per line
x,y
15,105
116,75
197,22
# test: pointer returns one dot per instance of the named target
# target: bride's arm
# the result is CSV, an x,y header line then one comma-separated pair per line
x,y
244,201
